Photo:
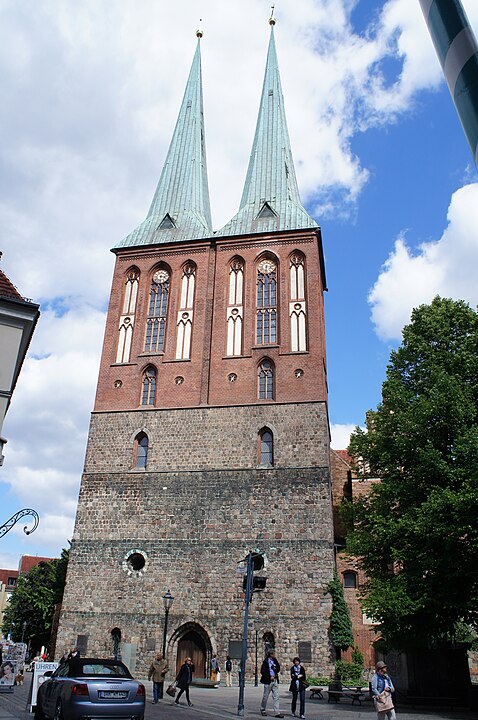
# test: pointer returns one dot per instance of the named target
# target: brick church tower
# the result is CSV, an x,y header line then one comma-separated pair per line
x,y
209,435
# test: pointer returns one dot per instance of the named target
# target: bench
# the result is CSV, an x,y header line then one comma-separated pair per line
x,y
349,693
316,691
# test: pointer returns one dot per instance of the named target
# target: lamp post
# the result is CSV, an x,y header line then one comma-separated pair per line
x,y
168,600
256,669
24,627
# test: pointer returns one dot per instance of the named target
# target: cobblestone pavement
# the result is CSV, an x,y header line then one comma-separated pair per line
x,y
222,703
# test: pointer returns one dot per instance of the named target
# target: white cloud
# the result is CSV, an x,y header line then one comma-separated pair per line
x,y
340,435
445,267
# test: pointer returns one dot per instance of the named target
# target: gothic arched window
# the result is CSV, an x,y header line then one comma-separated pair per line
x,y
185,314
235,310
126,323
148,389
266,447
157,311
266,324
266,380
297,308
141,450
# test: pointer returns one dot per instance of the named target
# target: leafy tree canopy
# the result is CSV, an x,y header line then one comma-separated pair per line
x,y
417,530
33,601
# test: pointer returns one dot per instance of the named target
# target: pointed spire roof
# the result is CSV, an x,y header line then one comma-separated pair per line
x,y
180,208
270,199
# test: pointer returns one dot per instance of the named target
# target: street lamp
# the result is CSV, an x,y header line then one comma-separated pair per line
x,y
167,604
24,627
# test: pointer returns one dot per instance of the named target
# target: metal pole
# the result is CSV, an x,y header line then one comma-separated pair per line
x,y
240,706
166,615
256,673
457,52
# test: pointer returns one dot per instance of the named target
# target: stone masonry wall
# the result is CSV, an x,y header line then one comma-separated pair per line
x,y
209,437
192,529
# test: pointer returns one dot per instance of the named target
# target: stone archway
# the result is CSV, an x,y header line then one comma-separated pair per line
x,y
193,641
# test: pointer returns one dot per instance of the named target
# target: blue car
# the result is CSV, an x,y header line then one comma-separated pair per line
x,y
89,688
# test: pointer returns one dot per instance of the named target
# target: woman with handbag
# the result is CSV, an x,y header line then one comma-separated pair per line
x,y
298,685
382,689
184,680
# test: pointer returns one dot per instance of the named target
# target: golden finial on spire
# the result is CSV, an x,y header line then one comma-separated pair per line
x,y
272,20
199,31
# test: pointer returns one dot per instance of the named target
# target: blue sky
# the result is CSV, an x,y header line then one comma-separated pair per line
x,y
89,103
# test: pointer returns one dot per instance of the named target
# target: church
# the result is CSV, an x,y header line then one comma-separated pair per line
x,y
209,436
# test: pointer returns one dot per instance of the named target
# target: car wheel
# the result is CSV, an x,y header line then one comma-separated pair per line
x,y
39,714
58,711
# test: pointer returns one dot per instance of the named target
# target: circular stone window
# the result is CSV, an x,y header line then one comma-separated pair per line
x,y
135,562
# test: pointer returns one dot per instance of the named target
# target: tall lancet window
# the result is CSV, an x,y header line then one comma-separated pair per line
x,y
126,323
148,389
185,314
297,308
266,326
235,309
157,312
266,380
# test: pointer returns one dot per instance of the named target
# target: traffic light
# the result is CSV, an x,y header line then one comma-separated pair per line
x,y
258,583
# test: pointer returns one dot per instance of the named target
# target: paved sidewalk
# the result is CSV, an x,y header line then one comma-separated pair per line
x,y
222,703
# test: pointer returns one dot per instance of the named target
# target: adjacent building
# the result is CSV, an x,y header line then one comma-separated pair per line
x,y
18,318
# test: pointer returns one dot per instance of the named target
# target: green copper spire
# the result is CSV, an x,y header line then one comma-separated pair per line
x,y
270,200
180,208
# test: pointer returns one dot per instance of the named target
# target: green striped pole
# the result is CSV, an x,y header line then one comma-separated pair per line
x,y
457,51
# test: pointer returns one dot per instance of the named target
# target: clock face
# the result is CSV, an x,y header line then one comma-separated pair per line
x,y
160,276
266,267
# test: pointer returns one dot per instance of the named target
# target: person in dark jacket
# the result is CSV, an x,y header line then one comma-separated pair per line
x,y
184,679
297,686
270,670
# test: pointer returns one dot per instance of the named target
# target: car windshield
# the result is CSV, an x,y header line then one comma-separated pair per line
x,y
103,669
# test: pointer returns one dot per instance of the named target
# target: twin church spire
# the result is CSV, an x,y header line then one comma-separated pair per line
x,y
180,209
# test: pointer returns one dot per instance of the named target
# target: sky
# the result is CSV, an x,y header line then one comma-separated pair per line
x,y
90,96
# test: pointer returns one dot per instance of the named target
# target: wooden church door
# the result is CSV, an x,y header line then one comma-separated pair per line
x,y
192,645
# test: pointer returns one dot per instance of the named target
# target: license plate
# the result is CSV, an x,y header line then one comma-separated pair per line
x,y
118,694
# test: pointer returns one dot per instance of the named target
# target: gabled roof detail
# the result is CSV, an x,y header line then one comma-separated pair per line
x,y
271,176
182,192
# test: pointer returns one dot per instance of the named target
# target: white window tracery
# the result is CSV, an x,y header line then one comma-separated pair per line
x,y
266,312
235,310
126,322
157,312
297,304
185,314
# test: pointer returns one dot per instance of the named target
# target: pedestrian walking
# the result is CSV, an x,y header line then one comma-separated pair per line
x,y
184,679
228,671
297,687
382,689
214,669
157,672
270,670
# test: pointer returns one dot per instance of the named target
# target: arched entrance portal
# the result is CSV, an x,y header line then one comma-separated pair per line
x,y
193,642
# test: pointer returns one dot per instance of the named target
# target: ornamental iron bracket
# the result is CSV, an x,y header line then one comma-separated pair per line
x,y
15,518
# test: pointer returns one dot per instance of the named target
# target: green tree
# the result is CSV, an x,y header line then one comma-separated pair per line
x,y
417,530
33,601
340,624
